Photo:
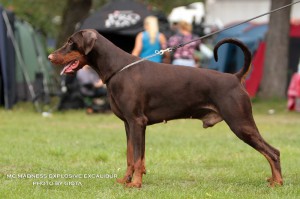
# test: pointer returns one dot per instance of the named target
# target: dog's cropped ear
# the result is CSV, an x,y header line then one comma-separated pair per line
x,y
89,38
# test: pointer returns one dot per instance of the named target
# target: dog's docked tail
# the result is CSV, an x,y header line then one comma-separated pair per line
x,y
247,56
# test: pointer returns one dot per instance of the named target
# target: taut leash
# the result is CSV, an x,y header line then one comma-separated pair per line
x,y
157,52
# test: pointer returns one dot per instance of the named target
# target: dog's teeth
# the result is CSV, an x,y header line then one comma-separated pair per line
x,y
63,70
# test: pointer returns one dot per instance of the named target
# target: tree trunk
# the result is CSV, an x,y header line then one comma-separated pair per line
x,y
274,82
74,12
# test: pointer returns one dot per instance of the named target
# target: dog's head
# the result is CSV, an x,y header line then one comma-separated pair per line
x,y
73,54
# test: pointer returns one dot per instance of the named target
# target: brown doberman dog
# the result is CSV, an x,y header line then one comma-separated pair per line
x,y
147,93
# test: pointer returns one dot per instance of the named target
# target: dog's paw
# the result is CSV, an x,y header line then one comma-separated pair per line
x,y
134,185
121,181
274,182
126,179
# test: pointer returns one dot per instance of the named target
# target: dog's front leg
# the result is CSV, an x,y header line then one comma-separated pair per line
x,y
130,164
137,136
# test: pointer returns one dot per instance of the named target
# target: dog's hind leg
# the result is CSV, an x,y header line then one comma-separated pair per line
x,y
130,164
238,115
251,136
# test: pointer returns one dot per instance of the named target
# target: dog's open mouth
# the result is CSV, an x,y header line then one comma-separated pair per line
x,y
70,68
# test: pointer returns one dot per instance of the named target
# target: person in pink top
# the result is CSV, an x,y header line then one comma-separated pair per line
x,y
185,55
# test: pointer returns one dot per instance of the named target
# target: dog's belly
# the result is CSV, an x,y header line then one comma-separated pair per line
x,y
207,113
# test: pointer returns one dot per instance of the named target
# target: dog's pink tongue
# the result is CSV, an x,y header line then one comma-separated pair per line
x,y
70,67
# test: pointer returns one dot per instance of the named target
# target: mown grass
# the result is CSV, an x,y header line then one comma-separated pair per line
x,y
183,160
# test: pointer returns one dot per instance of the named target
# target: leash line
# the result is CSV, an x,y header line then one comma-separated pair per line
x,y
157,52
161,52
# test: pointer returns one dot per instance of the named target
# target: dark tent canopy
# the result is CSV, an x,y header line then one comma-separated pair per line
x,y
120,21
7,64
124,17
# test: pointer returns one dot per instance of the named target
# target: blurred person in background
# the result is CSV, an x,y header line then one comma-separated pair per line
x,y
150,40
92,88
185,55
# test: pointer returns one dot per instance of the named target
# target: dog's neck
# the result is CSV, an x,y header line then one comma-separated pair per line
x,y
108,59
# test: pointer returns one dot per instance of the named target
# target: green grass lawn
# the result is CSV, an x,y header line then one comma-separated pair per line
x,y
183,160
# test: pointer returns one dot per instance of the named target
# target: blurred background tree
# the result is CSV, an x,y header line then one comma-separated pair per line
x,y
274,82
74,12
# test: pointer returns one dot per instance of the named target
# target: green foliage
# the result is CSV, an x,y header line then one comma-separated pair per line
x,y
183,160
40,13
